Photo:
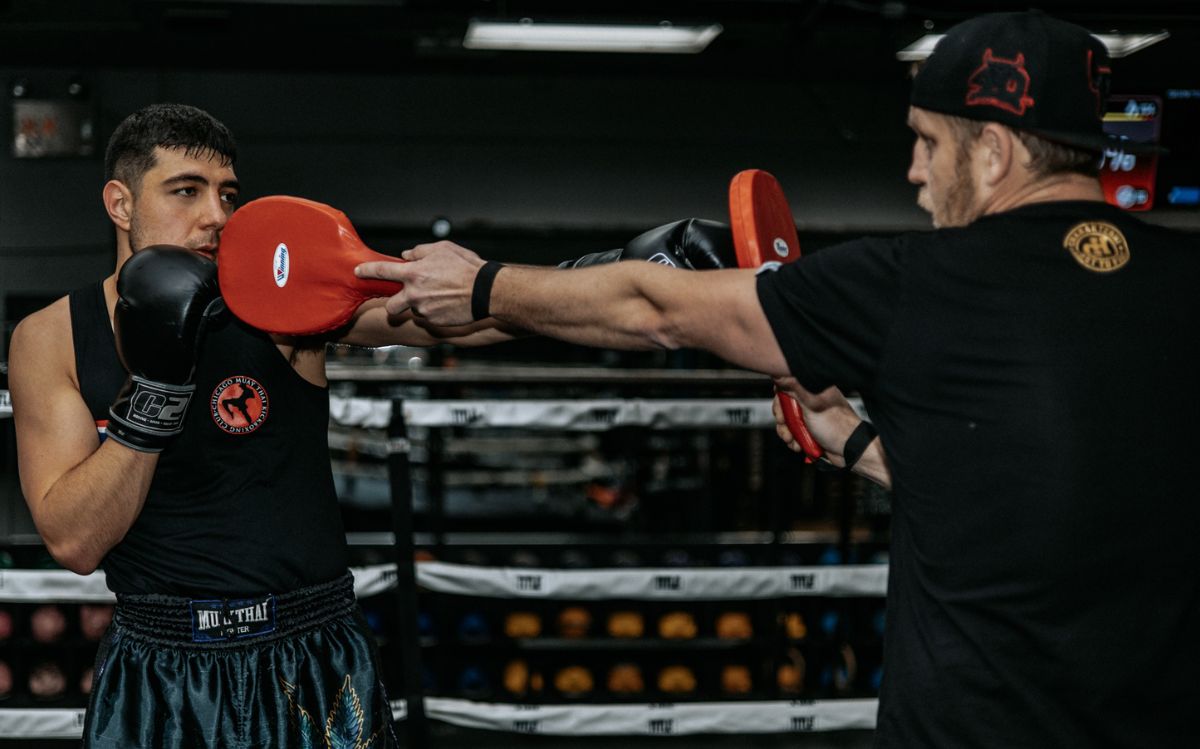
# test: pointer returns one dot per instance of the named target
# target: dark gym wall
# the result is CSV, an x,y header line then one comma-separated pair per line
x,y
528,152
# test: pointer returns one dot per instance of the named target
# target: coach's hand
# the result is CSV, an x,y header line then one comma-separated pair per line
x,y
437,288
166,297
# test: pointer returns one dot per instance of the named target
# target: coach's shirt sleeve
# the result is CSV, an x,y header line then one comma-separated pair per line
x,y
832,311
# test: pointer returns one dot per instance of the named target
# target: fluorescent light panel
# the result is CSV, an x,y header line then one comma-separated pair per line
x,y
579,37
1119,45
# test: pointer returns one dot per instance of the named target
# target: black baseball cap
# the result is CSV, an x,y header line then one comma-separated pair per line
x,y
1025,70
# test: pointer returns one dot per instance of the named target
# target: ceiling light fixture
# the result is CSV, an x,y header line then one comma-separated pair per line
x,y
525,34
1119,45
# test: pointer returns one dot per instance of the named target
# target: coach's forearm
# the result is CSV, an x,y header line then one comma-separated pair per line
x,y
623,306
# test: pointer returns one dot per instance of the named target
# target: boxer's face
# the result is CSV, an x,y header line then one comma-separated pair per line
x,y
183,200
943,170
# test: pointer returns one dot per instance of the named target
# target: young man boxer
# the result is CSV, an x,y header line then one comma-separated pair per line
x,y
193,468
1027,367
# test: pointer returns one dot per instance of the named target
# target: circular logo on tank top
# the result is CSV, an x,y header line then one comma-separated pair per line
x,y
1098,246
239,404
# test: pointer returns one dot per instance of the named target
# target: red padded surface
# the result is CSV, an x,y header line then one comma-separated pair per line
x,y
286,265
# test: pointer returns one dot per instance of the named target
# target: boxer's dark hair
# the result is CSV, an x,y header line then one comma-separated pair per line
x,y
1046,158
130,152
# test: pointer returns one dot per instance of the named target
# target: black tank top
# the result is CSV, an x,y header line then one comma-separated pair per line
x,y
243,501
97,367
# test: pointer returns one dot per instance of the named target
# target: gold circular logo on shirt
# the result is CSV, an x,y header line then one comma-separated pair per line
x,y
1098,246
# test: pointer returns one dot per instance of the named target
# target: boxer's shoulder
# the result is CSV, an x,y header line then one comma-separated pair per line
x,y
41,346
46,331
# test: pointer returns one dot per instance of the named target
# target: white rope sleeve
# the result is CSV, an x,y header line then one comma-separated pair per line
x,y
53,586
673,719
41,723
649,583
585,415
670,583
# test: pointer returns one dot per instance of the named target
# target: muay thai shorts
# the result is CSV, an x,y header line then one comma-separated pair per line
x,y
298,669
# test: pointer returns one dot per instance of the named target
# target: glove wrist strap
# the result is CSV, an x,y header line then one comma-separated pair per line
x,y
147,414
481,292
858,442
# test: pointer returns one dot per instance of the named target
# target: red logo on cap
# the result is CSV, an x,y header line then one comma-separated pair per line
x,y
1000,83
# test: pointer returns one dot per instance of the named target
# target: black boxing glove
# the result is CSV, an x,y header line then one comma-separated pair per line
x,y
166,298
693,243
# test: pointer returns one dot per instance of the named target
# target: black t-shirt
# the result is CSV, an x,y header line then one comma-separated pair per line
x,y
243,501
1029,378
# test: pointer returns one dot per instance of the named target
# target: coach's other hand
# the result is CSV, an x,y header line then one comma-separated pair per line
x,y
828,415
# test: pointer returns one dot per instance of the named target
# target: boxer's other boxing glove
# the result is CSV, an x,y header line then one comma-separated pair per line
x,y
166,298
693,243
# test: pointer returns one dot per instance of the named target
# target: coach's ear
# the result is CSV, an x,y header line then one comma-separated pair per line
x,y
994,153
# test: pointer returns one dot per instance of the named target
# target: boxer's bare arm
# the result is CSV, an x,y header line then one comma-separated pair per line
x,y
83,495
372,325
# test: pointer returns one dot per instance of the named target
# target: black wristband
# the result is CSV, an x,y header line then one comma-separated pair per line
x,y
481,292
858,442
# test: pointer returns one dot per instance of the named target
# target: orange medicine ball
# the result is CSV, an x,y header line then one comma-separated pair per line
x,y
516,677
625,678
677,680
735,679
574,680
734,625
626,624
574,622
519,624
790,678
677,625
795,627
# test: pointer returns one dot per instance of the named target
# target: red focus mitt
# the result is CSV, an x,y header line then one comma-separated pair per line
x,y
764,231
286,265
